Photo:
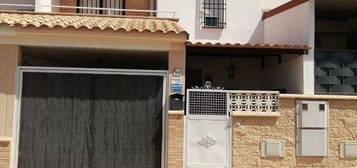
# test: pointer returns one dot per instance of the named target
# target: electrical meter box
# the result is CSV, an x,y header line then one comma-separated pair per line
x,y
312,142
272,148
348,150
312,114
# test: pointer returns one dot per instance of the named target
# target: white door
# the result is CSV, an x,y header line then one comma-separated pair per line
x,y
207,129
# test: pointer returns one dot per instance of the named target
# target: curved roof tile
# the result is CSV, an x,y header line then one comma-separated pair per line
x,y
248,45
91,22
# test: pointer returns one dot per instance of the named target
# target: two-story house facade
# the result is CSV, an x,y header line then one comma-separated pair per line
x,y
164,83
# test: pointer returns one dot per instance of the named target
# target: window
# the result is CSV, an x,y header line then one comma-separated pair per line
x,y
117,4
304,107
214,12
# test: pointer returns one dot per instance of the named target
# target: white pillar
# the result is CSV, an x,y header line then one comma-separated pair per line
x,y
42,5
309,60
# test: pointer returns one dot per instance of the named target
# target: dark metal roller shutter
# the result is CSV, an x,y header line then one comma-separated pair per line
x,y
90,121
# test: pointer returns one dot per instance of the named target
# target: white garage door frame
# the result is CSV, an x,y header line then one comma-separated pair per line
x,y
32,69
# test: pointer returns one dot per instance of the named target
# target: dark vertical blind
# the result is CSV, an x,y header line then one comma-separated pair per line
x,y
90,121
114,4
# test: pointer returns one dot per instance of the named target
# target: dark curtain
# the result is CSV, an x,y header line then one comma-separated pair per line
x,y
90,121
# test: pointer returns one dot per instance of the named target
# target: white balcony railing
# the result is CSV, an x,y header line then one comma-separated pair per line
x,y
18,7
106,11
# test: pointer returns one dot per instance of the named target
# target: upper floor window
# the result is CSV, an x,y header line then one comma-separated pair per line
x,y
116,4
214,12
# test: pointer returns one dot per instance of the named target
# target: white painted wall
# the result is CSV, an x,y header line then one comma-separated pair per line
x,y
243,19
287,74
295,26
41,8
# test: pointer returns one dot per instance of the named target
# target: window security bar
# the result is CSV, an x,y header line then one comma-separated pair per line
x,y
213,13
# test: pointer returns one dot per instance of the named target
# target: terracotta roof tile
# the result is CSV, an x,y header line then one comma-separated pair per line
x,y
248,45
92,22
282,8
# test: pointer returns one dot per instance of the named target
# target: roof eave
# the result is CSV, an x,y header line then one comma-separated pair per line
x,y
282,8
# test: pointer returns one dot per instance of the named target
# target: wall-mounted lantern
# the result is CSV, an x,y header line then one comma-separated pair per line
x,y
231,70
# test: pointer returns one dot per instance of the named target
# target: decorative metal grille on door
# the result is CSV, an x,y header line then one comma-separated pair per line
x,y
207,129
207,103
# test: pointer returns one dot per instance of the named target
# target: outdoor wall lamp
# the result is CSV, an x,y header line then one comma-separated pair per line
x,y
231,70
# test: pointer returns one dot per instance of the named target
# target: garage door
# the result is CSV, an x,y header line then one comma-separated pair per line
x,y
79,120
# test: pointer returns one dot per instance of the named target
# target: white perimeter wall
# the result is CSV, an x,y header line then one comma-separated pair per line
x,y
295,26
243,18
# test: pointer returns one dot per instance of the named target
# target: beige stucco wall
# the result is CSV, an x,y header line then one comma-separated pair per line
x,y
9,59
249,131
177,60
